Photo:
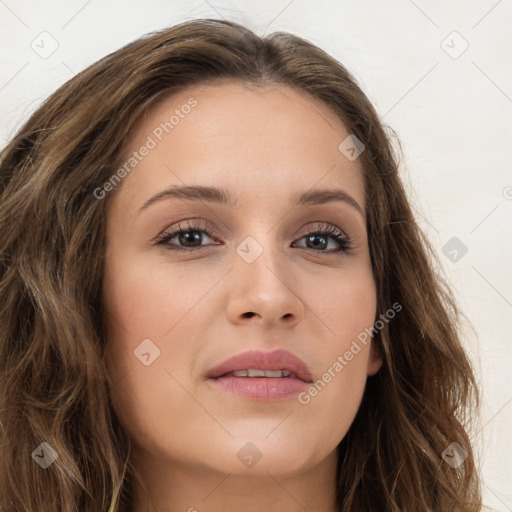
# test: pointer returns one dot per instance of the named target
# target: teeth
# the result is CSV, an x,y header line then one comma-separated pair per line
x,y
262,373
259,373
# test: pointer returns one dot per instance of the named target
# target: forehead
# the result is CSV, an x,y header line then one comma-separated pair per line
x,y
244,138
242,110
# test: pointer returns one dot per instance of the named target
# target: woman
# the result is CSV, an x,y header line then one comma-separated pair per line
x,y
216,296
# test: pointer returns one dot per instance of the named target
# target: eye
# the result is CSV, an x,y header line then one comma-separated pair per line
x,y
188,238
319,239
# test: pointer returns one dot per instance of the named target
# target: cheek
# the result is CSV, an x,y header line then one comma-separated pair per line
x,y
153,316
333,399
150,404
345,304
345,310
151,300
348,308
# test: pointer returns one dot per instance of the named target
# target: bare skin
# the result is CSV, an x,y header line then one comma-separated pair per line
x,y
263,146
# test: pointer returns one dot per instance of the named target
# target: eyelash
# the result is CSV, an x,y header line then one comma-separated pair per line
x,y
344,241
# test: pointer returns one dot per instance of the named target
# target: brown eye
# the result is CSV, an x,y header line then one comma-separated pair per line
x,y
188,238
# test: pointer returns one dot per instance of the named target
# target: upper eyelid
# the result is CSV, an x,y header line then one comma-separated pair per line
x,y
204,224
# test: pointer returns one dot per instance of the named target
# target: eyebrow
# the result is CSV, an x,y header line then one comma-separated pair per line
x,y
223,196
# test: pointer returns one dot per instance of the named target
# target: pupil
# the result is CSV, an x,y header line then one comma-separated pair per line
x,y
185,238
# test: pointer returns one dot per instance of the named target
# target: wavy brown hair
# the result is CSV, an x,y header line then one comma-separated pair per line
x,y
54,386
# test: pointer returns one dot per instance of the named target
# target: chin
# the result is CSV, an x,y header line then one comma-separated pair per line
x,y
262,455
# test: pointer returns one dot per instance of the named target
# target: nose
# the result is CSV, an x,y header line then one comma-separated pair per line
x,y
264,291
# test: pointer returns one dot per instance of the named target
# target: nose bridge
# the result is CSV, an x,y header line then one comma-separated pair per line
x,y
261,261
262,281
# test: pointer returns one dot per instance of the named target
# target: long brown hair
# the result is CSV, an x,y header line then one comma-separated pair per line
x,y
54,387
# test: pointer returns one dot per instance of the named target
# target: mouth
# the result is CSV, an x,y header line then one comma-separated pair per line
x,y
264,376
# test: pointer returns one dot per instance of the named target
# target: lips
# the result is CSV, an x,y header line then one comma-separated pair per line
x,y
262,376
260,360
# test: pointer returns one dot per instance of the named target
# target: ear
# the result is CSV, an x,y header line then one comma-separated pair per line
x,y
374,361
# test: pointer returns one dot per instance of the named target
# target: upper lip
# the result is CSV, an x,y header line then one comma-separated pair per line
x,y
257,359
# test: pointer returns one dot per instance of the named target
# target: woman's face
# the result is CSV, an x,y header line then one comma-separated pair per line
x,y
260,278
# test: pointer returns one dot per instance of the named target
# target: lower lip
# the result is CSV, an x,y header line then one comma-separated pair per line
x,y
261,388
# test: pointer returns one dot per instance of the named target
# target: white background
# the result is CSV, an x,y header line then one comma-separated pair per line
x,y
452,115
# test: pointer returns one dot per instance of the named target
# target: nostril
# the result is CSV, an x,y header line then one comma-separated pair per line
x,y
249,314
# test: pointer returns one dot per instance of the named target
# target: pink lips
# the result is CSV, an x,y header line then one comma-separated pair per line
x,y
262,388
